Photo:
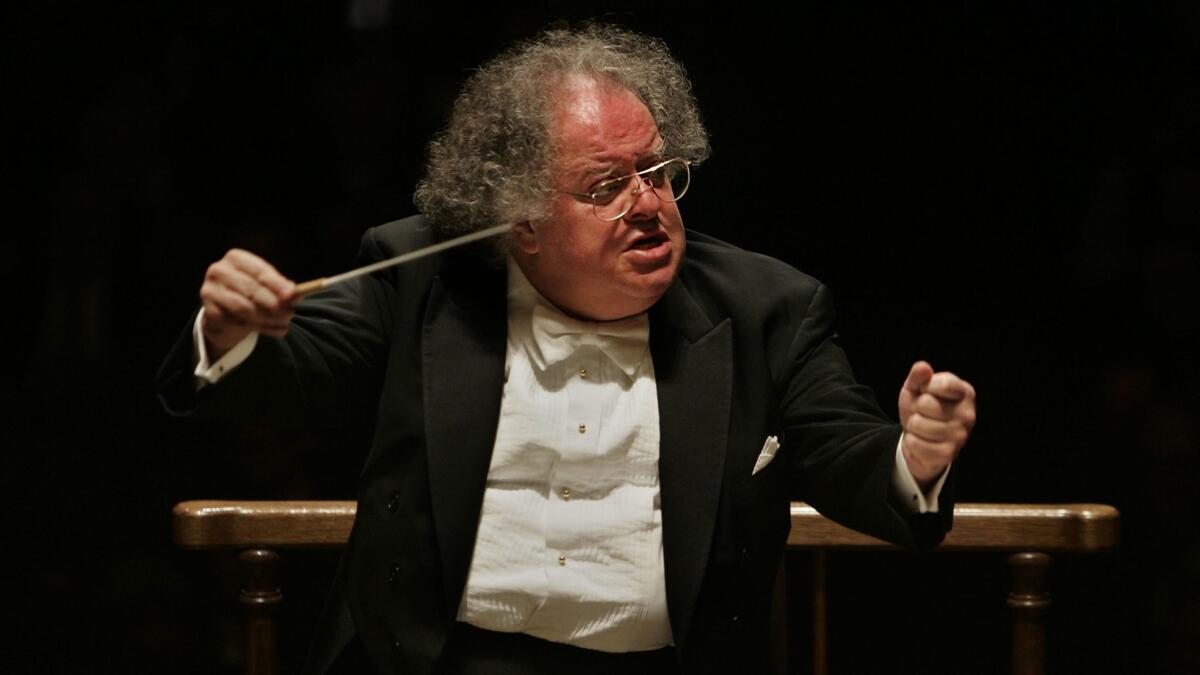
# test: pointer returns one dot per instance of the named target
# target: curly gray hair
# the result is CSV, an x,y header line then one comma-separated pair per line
x,y
493,162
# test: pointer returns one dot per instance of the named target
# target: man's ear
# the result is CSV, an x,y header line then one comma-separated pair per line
x,y
525,237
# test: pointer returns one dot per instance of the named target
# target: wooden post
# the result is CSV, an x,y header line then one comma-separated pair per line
x,y
1029,600
820,616
779,619
259,597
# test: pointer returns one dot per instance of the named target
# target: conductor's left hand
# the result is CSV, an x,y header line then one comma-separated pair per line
x,y
937,411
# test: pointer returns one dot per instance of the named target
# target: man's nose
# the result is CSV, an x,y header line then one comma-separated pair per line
x,y
646,201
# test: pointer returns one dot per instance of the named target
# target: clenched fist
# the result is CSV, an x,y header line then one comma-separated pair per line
x,y
242,293
937,411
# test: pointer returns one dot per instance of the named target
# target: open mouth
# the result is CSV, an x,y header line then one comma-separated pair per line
x,y
648,242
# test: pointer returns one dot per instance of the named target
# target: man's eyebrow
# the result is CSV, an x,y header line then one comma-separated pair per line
x,y
657,152
600,169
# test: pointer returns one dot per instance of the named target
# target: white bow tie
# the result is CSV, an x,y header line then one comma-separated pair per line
x,y
557,336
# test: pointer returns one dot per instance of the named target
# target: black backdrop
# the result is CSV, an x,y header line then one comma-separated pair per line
x,y
1008,191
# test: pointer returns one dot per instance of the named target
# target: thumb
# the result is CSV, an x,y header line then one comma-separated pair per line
x,y
918,377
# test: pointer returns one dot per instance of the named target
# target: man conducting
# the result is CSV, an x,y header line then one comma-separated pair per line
x,y
587,434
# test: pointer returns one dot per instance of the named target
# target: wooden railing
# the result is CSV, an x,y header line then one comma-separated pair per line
x,y
1029,533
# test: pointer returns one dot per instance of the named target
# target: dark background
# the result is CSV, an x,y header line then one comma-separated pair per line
x,y
1007,190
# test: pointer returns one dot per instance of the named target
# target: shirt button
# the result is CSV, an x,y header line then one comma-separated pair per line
x,y
566,493
583,428
394,503
583,373
395,572
562,560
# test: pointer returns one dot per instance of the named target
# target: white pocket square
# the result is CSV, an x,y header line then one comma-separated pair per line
x,y
767,454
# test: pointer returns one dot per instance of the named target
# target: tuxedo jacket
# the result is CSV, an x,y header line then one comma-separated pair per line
x,y
743,348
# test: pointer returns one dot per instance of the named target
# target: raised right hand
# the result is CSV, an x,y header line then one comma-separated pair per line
x,y
242,293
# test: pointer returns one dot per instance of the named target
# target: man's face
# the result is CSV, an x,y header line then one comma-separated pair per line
x,y
587,267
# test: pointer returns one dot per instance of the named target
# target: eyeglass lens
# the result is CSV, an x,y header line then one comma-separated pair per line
x,y
613,198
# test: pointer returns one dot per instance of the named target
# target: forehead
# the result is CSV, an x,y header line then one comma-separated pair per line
x,y
596,124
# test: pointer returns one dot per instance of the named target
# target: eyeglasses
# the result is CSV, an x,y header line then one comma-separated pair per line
x,y
611,199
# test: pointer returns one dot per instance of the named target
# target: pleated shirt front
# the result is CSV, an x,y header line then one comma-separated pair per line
x,y
569,546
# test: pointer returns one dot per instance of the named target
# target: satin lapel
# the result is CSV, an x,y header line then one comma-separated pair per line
x,y
463,348
693,365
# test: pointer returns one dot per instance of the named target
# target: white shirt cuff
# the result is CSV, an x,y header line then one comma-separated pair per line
x,y
907,490
210,373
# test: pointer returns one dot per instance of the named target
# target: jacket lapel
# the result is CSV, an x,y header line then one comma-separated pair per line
x,y
463,351
693,365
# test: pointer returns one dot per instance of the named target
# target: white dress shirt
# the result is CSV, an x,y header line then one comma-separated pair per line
x,y
569,547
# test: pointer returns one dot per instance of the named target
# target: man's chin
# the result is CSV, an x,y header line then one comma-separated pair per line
x,y
653,284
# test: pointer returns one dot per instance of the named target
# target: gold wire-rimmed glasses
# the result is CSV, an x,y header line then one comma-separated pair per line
x,y
611,199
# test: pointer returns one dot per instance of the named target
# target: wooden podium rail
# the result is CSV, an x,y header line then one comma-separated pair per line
x,y
1029,533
